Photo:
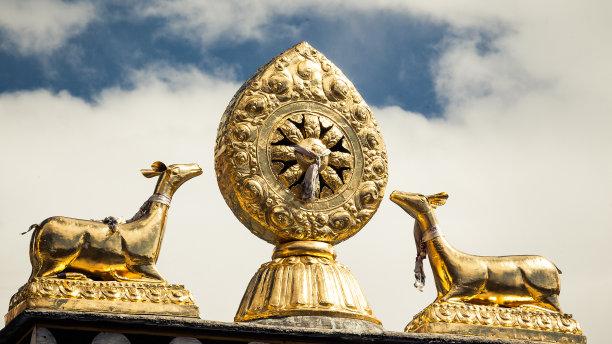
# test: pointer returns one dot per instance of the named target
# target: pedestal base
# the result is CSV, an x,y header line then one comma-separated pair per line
x,y
304,282
322,322
103,297
496,322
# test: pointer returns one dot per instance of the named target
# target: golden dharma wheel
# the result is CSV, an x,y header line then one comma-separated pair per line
x,y
299,155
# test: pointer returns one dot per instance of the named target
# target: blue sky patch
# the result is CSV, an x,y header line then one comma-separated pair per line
x,y
388,56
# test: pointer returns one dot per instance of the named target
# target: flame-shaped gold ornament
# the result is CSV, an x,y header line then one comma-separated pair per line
x,y
301,162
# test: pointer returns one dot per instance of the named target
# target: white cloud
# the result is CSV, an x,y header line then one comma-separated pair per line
x,y
524,149
39,27
64,156
208,21
524,152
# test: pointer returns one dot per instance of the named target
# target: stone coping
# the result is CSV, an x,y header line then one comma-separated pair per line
x,y
23,324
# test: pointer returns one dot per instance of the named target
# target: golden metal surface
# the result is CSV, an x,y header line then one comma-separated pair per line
x,y
527,284
304,284
304,248
497,322
299,155
110,251
86,252
103,297
301,163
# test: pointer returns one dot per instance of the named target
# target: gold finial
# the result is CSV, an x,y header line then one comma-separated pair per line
x,y
108,265
507,297
301,163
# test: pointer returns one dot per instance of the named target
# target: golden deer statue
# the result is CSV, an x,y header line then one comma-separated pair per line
x,y
508,281
109,250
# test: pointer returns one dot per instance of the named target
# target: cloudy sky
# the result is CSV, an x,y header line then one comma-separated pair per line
x,y
506,106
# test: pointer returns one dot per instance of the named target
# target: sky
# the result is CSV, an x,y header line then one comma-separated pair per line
x,y
504,105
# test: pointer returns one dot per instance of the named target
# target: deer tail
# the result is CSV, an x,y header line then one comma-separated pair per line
x,y
32,227
33,256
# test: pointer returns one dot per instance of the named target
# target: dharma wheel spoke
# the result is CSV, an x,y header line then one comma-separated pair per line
x,y
331,178
341,159
296,118
291,175
276,137
332,136
291,132
347,174
277,167
282,153
325,122
312,127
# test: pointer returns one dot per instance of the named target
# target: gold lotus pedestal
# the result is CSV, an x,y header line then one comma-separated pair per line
x,y
302,164
497,322
304,279
103,297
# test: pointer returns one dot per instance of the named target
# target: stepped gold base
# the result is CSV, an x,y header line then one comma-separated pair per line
x,y
103,297
496,322
304,279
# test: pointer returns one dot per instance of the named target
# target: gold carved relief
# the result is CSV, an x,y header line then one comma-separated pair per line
x,y
301,162
103,297
294,109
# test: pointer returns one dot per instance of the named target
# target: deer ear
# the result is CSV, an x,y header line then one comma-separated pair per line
x,y
150,173
159,166
437,199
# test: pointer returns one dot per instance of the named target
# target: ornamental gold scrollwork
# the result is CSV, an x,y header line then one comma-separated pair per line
x,y
300,161
296,110
529,319
102,296
75,289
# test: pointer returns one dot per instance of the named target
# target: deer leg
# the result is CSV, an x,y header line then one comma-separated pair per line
x,y
50,268
458,294
124,275
543,299
551,302
74,276
148,272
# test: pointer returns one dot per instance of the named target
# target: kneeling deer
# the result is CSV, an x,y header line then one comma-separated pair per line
x,y
109,250
508,281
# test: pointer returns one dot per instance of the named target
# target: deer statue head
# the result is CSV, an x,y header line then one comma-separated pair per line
x,y
420,207
417,205
171,177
